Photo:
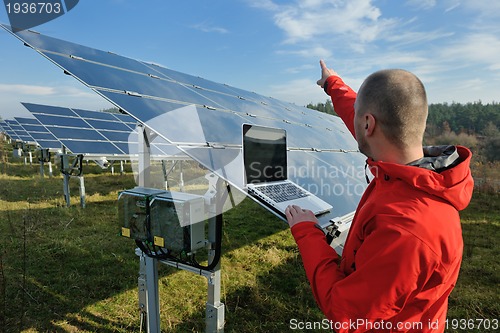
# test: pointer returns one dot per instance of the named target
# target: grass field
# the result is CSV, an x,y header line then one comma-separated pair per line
x,y
68,269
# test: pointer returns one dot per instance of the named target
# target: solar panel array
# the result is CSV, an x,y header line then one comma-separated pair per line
x,y
5,128
17,132
92,132
43,138
204,119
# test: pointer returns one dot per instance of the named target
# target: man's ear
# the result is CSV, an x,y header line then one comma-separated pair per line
x,y
370,123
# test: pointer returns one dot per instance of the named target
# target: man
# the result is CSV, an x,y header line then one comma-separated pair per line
x,y
402,256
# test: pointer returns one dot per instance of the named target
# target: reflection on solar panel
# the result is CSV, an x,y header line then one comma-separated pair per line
x,y
92,132
39,133
205,119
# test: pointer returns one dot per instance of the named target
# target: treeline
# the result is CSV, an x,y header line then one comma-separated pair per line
x,y
475,125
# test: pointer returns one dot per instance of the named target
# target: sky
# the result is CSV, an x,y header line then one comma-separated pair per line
x,y
272,47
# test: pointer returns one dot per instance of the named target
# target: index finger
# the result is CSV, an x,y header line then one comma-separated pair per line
x,y
322,64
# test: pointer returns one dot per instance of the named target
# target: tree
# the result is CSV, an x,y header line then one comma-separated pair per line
x,y
326,107
491,130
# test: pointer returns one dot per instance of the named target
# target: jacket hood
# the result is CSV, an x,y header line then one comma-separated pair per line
x,y
444,171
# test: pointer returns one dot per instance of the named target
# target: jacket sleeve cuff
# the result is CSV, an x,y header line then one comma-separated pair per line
x,y
300,230
331,82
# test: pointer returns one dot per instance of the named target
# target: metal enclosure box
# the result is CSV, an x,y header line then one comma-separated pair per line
x,y
44,155
170,220
177,221
133,212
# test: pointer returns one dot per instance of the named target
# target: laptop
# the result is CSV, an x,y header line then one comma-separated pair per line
x,y
266,172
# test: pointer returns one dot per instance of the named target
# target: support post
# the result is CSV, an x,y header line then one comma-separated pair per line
x,y
214,314
152,310
50,169
181,184
144,157
67,197
41,168
82,191
165,173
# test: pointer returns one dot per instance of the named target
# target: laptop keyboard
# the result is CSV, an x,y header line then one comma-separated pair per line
x,y
283,192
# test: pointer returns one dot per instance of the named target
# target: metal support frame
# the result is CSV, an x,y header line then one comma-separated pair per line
x,y
214,315
72,170
148,272
166,173
148,267
45,157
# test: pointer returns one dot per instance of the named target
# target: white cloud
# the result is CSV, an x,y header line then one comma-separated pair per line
x,y
268,5
299,91
23,89
69,95
318,52
300,69
452,7
205,27
306,20
421,4
483,7
473,49
412,37
463,91
457,60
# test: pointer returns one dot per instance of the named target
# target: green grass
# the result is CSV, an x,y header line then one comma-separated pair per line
x,y
68,270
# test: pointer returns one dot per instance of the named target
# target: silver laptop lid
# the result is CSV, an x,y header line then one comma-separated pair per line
x,y
264,154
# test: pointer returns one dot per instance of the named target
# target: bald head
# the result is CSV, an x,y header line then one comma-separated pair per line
x,y
398,101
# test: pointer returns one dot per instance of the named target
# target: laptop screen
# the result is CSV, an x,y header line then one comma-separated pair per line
x,y
264,154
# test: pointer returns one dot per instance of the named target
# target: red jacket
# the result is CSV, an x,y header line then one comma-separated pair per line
x,y
402,256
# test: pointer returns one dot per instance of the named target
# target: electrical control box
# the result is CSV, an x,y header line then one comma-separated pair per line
x,y
171,220
133,212
44,155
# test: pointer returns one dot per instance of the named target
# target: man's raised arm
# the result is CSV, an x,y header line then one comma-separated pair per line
x,y
343,97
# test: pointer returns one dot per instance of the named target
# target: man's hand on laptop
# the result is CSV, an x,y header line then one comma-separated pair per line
x,y
295,214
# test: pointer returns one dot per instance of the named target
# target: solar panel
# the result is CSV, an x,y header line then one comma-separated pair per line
x,y
18,132
72,131
3,126
204,118
39,133
93,132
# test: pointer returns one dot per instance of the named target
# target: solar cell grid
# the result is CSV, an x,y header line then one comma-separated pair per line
x,y
62,121
39,133
18,132
50,110
100,133
108,125
12,135
73,132
27,121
